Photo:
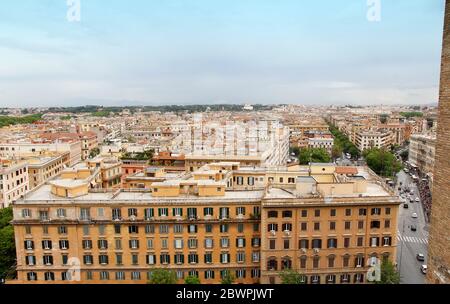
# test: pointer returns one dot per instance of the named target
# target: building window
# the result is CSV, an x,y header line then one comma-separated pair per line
x,y
61,213
287,227
100,212
225,258
178,243
209,274
272,227
88,259
208,228
387,241
316,226
163,229
223,228
132,212
360,225
164,258
387,224
43,215
255,256
360,241
375,224
333,212
332,243
346,261
304,226
359,261
208,258
224,213
62,229
316,262
287,214
47,260
102,244
362,211
272,244
134,244
317,244
304,213
133,229
375,211
374,241
149,229
30,260
331,260
179,258
63,244
87,244
272,214
388,211
272,264
256,242
120,275
135,259
27,229
49,276
331,279
151,259
192,213
240,257
192,243
149,213
46,244
303,244
85,214
332,225
163,212
224,242
255,273
286,244
104,275
346,242
103,259
348,212
85,230
32,276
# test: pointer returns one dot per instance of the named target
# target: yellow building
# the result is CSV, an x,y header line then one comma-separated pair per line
x,y
45,166
219,219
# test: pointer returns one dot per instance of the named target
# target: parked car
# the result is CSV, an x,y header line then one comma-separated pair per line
x,y
414,215
424,269
413,228
405,206
417,200
420,257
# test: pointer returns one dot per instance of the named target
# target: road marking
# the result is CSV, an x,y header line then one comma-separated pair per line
x,y
411,239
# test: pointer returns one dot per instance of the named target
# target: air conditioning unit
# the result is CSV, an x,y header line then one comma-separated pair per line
x,y
316,250
273,232
303,250
132,218
287,232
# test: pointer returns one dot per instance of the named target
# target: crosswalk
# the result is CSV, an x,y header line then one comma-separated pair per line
x,y
411,239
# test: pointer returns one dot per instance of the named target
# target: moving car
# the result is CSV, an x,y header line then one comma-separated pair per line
x,y
414,215
413,228
420,257
405,206
417,200
424,269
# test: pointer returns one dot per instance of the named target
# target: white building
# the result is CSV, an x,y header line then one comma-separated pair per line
x,y
14,181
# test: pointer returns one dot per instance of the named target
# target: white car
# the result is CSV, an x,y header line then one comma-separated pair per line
x,y
414,215
417,200
424,269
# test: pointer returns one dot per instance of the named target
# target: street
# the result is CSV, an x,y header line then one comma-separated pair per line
x,y
410,243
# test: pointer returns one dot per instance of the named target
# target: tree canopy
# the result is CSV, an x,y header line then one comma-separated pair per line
x,y
314,155
228,278
7,243
382,162
291,277
389,275
9,120
342,141
192,280
163,276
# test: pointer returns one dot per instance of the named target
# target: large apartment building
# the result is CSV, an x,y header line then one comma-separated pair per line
x,y
329,223
14,181
43,167
422,153
367,139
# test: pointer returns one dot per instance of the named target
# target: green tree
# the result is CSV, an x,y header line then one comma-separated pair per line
x,y
94,152
382,162
192,280
384,118
291,277
337,150
7,243
404,155
314,155
228,278
389,274
163,276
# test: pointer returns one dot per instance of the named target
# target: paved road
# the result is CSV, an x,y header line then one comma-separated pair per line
x,y
410,243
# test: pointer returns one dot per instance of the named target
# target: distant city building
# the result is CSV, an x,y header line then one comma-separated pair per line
x,y
13,181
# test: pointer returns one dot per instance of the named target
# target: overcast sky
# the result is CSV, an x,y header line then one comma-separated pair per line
x,y
219,51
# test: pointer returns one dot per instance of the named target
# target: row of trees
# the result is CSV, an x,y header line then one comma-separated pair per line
x,y
9,120
389,275
164,276
146,155
342,144
411,114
